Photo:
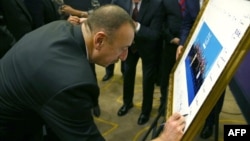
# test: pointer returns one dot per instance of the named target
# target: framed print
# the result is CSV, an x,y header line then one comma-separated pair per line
x,y
217,43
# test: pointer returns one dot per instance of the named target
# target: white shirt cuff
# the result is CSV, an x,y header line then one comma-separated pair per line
x,y
137,27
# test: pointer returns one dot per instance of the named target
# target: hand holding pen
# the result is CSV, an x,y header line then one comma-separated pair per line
x,y
173,129
184,115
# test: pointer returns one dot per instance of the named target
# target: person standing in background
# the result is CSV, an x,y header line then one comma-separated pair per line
x,y
192,8
171,33
148,18
17,17
42,11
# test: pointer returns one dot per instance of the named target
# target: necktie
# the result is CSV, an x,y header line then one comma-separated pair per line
x,y
182,5
134,17
135,12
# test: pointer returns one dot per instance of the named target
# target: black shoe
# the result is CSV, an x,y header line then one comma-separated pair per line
x,y
97,111
107,77
143,118
206,132
124,109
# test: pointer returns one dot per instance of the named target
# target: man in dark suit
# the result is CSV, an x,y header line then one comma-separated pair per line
x,y
171,33
17,17
149,26
42,11
20,17
46,77
192,8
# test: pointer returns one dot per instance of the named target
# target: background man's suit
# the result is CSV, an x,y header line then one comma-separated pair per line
x,y
171,30
42,11
150,17
19,20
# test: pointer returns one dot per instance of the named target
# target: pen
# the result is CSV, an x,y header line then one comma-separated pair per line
x,y
185,115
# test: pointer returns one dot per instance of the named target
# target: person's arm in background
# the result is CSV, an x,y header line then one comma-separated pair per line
x,y
75,16
173,22
189,16
73,12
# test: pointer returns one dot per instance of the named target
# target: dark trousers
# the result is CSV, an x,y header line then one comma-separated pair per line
x,y
168,59
110,68
216,110
148,71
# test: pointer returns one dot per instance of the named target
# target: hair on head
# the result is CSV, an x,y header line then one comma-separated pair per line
x,y
108,17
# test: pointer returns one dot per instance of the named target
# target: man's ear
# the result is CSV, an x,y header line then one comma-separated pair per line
x,y
99,39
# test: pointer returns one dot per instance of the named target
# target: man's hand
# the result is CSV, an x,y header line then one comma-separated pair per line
x,y
179,51
173,129
135,23
175,41
74,12
74,20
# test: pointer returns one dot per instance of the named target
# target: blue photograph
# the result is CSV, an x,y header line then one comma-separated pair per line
x,y
200,59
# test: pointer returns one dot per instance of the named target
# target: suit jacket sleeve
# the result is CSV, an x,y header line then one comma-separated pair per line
x,y
151,14
173,18
151,21
189,17
69,114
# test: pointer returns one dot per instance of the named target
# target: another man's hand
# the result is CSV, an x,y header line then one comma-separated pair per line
x,y
74,20
66,9
179,51
175,41
136,23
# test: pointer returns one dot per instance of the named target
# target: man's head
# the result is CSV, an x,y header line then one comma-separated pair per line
x,y
110,32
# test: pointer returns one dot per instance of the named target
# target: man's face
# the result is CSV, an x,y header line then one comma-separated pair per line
x,y
110,53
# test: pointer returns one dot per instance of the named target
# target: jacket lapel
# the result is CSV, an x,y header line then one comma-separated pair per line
x,y
142,11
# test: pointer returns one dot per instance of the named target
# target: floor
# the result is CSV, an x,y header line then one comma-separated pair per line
x,y
125,128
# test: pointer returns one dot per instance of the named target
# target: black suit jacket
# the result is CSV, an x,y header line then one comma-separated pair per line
x,y
173,19
17,17
151,16
46,76
42,11
191,11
